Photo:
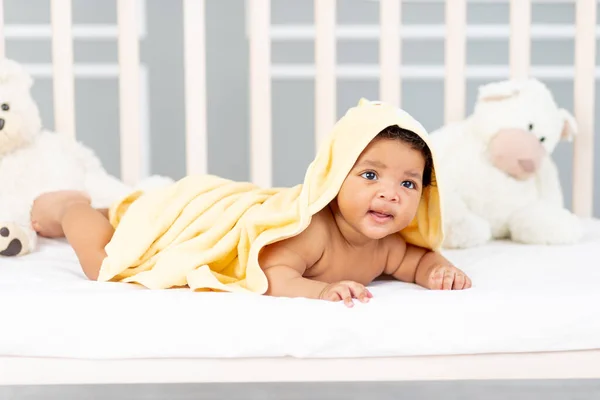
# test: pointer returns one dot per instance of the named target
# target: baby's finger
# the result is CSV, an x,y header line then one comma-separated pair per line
x,y
435,279
359,292
332,296
345,295
468,283
459,282
448,280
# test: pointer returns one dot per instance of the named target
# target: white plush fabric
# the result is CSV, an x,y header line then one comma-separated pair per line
x,y
482,201
525,298
51,162
34,161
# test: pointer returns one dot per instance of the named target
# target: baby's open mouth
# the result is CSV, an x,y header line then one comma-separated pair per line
x,y
380,215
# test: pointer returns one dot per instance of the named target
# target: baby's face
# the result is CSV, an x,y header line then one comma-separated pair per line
x,y
381,194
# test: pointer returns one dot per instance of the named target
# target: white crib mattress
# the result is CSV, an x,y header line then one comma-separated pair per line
x,y
524,299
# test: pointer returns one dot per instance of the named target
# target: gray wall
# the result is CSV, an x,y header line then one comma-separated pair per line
x,y
161,53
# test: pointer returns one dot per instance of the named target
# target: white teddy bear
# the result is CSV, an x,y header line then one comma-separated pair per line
x,y
499,179
33,161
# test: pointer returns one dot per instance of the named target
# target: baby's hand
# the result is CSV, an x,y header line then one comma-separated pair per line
x,y
346,290
443,277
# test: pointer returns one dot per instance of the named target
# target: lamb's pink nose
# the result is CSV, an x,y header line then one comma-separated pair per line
x,y
527,165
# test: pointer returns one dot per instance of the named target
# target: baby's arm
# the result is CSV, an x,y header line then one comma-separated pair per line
x,y
285,262
426,268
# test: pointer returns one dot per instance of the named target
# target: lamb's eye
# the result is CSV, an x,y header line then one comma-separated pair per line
x,y
543,139
530,127
5,107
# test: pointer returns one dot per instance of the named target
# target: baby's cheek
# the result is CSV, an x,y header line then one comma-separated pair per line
x,y
353,203
404,220
411,211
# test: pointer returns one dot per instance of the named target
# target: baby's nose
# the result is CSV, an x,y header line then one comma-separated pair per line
x,y
390,195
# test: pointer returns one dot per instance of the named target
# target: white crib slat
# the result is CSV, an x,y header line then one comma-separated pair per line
x,y
129,91
325,63
520,38
584,104
62,67
389,52
260,92
195,86
455,47
2,37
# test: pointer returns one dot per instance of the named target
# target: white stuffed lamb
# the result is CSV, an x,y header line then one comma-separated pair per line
x,y
499,178
33,161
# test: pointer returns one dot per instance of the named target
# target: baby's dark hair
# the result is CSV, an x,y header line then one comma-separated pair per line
x,y
394,132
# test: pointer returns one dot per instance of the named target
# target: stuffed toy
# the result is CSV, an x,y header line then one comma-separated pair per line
x,y
499,179
34,160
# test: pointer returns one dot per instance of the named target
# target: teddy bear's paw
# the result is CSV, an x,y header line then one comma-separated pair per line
x,y
13,240
545,225
466,232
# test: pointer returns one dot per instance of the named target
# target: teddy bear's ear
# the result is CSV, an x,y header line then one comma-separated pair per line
x,y
497,91
570,127
367,102
13,73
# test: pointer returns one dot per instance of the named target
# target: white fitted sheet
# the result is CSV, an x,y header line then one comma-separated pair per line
x,y
524,299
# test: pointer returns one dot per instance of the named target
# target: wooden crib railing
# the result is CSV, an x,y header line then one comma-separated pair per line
x,y
326,71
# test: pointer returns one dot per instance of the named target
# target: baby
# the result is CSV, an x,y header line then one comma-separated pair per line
x,y
353,241
346,246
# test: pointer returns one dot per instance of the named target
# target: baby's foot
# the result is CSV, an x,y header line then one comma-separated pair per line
x,y
50,208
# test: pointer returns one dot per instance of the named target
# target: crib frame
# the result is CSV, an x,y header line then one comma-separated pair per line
x,y
567,365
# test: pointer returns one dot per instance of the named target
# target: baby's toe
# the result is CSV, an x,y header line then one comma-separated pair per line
x,y
50,229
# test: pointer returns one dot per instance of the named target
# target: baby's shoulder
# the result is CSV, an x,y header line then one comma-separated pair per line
x,y
310,243
395,248
317,231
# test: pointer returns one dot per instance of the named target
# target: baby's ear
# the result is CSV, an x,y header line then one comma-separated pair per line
x,y
497,91
570,127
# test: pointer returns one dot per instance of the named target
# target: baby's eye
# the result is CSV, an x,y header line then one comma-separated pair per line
x,y
408,184
370,175
5,107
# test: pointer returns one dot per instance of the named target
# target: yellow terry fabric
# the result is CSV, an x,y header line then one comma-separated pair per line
x,y
206,232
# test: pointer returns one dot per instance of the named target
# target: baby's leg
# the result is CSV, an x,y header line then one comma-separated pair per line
x,y
70,214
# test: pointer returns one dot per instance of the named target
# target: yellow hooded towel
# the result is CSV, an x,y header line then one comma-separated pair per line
x,y
206,232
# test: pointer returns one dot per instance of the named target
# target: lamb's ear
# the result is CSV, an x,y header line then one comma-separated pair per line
x,y
13,73
570,127
367,102
497,91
